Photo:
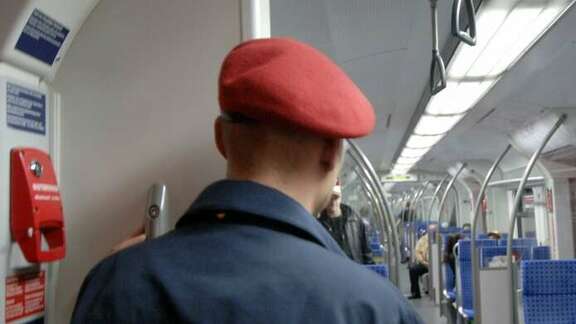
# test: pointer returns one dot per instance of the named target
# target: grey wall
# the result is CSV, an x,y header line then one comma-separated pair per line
x,y
138,100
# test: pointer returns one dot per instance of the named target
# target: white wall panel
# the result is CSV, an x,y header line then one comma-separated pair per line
x,y
139,94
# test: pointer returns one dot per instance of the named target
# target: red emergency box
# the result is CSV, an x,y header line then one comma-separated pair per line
x,y
35,206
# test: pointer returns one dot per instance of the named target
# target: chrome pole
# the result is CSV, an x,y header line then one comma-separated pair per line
x,y
438,236
475,259
383,223
156,219
435,197
380,194
513,216
380,218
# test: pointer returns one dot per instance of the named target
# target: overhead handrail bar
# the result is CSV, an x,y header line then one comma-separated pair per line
x,y
514,215
470,37
475,260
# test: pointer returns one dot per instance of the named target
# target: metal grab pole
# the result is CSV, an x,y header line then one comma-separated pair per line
x,y
435,197
513,216
156,222
379,193
445,195
384,223
414,206
475,260
380,218
438,236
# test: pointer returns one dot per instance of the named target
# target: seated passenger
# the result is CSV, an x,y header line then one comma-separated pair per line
x,y
249,250
494,235
347,228
419,267
449,257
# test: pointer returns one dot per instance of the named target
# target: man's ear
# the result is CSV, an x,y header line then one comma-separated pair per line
x,y
219,136
330,156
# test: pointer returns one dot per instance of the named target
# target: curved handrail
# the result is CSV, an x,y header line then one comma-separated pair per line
x,y
470,37
446,191
475,260
382,221
440,208
394,271
513,215
435,197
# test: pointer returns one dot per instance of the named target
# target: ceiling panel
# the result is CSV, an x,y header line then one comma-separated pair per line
x,y
544,78
385,45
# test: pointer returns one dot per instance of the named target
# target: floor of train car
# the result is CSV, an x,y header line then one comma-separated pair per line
x,y
429,312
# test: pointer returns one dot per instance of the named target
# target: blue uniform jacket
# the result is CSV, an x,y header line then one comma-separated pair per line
x,y
243,253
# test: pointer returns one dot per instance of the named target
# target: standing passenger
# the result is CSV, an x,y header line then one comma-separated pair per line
x,y
249,250
347,228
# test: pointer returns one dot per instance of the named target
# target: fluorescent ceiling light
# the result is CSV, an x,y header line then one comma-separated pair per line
x,y
506,30
512,28
418,141
457,98
414,152
436,125
407,160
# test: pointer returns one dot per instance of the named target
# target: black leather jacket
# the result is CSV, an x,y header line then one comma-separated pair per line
x,y
349,231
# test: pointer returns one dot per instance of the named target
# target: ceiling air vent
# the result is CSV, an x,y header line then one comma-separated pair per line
x,y
562,146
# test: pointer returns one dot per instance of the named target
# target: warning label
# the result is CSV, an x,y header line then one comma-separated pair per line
x,y
26,109
42,37
24,295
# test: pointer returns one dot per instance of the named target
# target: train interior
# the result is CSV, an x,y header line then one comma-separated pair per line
x,y
476,135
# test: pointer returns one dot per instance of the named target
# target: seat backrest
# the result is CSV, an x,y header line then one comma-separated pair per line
x,y
541,253
465,269
549,291
488,253
519,242
449,279
380,269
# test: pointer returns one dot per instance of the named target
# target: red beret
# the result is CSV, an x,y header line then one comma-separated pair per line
x,y
286,81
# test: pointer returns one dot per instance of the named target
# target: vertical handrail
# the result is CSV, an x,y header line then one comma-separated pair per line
x,y
383,223
414,206
446,191
394,271
438,236
475,260
513,216
470,37
381,220
156,222
437,61
435,197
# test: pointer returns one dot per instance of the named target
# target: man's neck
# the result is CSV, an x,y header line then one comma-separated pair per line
x,y
296,191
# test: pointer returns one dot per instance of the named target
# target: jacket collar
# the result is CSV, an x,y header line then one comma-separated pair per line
x,y
247,197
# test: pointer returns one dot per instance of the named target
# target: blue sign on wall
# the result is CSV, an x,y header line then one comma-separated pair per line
x,y
25,109
42,37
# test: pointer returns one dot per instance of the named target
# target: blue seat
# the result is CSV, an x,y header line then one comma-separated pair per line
x,y
380,269
489,252
541,253
465,274
549,291
519,242
449,283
